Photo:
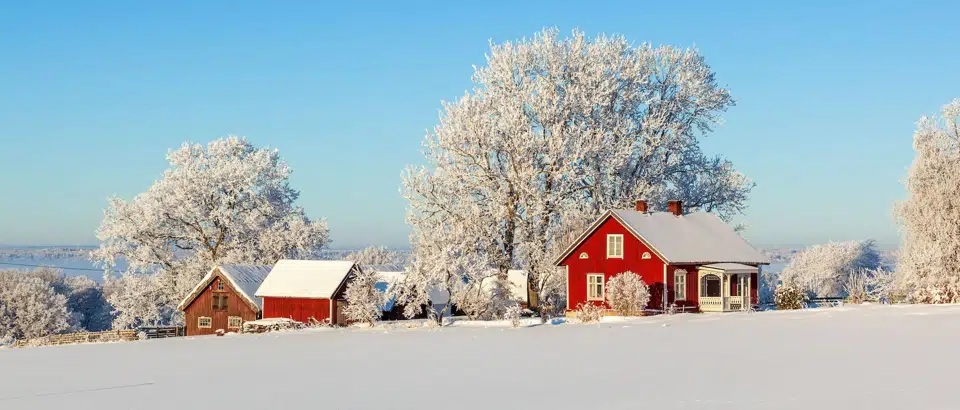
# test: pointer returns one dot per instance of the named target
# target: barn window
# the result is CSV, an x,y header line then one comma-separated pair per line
x,y
219,302
595,287
219,284
646,255
615,246
204,322
234,322
680,285
584,255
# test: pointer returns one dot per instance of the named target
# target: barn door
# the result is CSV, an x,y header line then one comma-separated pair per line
x,y
341,319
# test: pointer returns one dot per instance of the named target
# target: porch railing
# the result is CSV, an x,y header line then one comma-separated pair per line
x,y
734,303
711,304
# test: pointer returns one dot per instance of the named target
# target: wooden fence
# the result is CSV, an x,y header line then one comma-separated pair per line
x,y
79,337
161,332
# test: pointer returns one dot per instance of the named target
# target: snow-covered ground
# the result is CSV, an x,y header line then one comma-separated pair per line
x,y
863,357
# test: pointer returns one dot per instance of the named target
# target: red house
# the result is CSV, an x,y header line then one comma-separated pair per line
x,y
306,290
692,260
223,299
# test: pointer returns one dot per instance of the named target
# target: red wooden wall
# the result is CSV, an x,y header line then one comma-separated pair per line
x,y
299,309
595,245
203,306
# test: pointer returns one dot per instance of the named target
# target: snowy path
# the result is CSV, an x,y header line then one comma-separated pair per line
x,y
874,357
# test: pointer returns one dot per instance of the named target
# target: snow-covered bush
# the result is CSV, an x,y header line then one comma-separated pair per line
x,y
822,270
226,202
627,294
789,297
31,307
930,216
364,300
513,314
589,313
769,281
509,169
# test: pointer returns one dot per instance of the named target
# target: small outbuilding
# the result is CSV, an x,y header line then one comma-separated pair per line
x,y
224,299
307,290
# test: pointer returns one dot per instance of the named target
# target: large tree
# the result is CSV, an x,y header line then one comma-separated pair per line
x,y
555,131
226,202
824,270
928,263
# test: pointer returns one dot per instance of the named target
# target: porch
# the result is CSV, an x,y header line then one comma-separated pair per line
x,y
725,287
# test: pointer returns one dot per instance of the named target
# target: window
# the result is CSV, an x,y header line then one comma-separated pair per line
x,y
646,255
680,285
234,322
584,255
204,322
594,287
710,286
615,246
219,302
219,284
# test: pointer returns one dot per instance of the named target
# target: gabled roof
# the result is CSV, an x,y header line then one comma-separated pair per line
x,y
731,267
694,238
312,279
244,279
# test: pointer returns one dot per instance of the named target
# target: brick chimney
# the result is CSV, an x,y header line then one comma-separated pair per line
x,y
675,207
641,206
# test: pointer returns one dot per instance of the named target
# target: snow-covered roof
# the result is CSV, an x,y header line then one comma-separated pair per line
x,y
384,268
694,238
305,279
731,267
244,279
517,282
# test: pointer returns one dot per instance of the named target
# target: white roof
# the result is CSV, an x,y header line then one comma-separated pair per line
x,y
698,237
732,267
305,279
245,279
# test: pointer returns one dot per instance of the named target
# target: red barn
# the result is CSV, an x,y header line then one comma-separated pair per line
x,y
223,299
305,290
692,260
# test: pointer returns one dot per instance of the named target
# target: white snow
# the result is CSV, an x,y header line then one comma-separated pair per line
x,y
305,278
854,357
244,278
732,267
698,237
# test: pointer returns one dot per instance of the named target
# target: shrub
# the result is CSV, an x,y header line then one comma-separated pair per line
x,y
627,294
513,313
856,287
789,297
589,313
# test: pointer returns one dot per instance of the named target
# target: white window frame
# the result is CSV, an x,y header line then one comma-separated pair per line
x,y
591,282
645,255
680,292
615,251
230,320
219,284
209,322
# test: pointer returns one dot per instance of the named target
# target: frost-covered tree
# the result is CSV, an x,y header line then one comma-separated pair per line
x,y
31,308
87,308
557,130
627,294
929,259
226,202
364,300
375,255
822,270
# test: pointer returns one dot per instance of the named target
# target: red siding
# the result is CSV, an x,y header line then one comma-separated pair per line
x,y
595,245
298,309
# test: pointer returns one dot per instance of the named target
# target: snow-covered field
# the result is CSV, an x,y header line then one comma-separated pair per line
x,y
863,357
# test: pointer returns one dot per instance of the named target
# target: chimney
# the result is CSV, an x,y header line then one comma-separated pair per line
x,y
675,207
642,206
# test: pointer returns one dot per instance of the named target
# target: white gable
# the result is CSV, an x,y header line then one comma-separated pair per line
x,y
305,279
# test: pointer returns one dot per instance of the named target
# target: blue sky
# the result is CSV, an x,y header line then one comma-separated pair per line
x,y
92,95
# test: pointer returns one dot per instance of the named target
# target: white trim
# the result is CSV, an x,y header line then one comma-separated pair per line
x,y
664,294
603,287
645,255
682,276
209,322
615,255
567,269
583,255
239,322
